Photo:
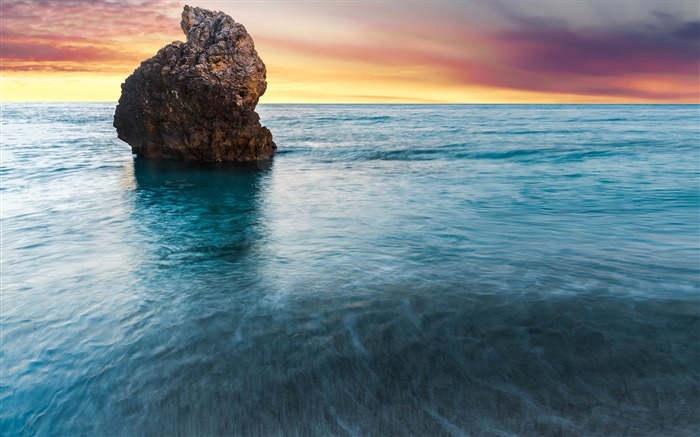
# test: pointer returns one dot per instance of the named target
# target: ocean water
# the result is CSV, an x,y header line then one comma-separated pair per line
x,y
396,270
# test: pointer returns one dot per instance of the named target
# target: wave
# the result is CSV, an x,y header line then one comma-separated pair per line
x,y
376,118
461,151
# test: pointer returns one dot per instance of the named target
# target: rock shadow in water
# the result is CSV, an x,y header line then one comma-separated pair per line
x,y
197,215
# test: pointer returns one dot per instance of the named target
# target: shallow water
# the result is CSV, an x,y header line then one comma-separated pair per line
x,y
397,270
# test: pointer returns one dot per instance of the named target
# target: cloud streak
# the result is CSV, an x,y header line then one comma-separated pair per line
x,y
80,32
672,48
543,57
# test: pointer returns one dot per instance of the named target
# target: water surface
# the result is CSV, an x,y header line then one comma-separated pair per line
x,y
397,270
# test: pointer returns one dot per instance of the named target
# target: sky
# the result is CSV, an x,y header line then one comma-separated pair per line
x,y
547,51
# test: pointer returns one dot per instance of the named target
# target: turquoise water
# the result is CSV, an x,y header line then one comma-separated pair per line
x,y
396,270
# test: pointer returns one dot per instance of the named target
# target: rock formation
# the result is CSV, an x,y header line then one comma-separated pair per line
x,y
195,101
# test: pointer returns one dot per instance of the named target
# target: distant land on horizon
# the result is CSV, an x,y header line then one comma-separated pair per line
x,y
447,52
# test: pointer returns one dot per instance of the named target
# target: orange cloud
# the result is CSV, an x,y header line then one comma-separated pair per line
x,y
75,35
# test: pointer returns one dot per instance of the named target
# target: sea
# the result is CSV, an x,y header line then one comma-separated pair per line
x,y
407,270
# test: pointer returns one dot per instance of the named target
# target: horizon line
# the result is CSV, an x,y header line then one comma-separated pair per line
x,y
387,103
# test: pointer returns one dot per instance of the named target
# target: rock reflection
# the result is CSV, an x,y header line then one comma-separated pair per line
x,y
197,216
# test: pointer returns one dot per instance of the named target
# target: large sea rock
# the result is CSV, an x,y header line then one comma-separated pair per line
x,y
195,101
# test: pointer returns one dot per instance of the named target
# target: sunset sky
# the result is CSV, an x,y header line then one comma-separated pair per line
x,y
375,51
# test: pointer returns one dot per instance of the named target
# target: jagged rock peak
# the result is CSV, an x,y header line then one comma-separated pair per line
x,y
195,101
193,16
200,25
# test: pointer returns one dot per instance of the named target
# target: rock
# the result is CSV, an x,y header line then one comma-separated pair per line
x,y
195,101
